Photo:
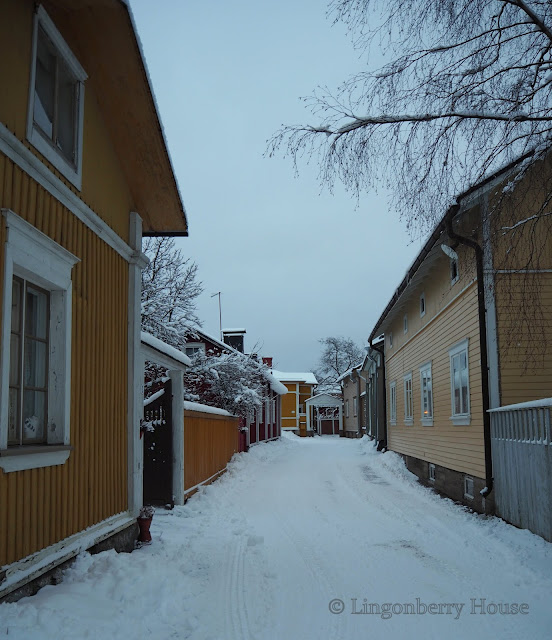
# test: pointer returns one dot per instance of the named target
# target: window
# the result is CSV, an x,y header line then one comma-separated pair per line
x,y
56,100
405,323
390,339
36,347
355,406
431,472
426,395
408,400
346,408
28,380
393,403
453,270
459,382
422,305
468,487
193,348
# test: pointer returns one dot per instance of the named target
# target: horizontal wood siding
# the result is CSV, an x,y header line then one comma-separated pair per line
x,y
40,507
456,447
210,441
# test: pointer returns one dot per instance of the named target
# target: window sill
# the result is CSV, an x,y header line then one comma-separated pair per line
x,y
408,422
427,422
33,457
461,421
393,423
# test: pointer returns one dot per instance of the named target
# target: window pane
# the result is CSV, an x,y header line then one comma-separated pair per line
x,y
34,416
16,306
35,364
36,320
13,414
15,356
67,101
43,113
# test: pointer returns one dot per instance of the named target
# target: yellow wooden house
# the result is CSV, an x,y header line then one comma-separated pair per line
x,y
84,169
300,387
468,330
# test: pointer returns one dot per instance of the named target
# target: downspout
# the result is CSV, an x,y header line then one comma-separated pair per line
x,y
358,403
469,242
365,400
382,444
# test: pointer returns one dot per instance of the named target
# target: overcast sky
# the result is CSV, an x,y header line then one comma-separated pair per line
x,y
294,263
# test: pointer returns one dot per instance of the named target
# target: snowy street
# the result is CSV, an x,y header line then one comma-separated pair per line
x,y
294,529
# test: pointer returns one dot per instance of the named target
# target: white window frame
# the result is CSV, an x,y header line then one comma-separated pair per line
x,y
405,323
408,419
347,408
393,402
422,305
460,419
469,487
427,421
39,142
194,345
355,407
431,472
33,256
390,339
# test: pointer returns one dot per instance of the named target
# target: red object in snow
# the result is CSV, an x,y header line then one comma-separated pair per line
x,y
145,535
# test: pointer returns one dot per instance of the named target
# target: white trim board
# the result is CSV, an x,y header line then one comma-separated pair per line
x,y
27,569
18,153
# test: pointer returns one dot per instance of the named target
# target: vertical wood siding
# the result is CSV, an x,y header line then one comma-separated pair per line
x,y
210,441
525,349
460,448
40,507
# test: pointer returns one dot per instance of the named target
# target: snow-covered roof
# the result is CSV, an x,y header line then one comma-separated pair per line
x,y
165,349
324,399
462,202
276,385
349,371
205,408
286,376
240,331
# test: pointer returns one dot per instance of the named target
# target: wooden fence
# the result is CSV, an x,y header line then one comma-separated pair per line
x,y
522,465
210,441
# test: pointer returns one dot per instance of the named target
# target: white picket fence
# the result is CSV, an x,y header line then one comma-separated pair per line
x,y
522,465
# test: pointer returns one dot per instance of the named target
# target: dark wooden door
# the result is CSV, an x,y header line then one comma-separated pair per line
x,y
158,453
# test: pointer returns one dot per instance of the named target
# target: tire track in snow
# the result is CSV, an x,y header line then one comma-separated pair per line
x,y
236,609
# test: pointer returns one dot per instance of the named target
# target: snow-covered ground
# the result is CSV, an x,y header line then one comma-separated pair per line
x,y
295,529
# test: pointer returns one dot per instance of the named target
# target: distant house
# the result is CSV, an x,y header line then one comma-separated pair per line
x,y
353,389
264,423
300,387
84,169
454,343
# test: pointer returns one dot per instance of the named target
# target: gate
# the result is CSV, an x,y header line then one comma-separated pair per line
x,y
158,453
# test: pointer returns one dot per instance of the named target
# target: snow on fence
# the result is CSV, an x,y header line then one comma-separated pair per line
x,y
211,437
522,465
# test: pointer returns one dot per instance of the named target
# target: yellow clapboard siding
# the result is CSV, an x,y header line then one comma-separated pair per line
x,y
456,447
40,507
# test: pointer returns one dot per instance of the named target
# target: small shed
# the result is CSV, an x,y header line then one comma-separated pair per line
x,y
324,414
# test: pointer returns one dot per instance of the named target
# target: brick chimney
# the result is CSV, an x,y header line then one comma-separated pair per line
x,y
268,362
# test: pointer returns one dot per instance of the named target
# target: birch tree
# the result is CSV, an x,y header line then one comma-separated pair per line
x,y
466,89
170,287
338,355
